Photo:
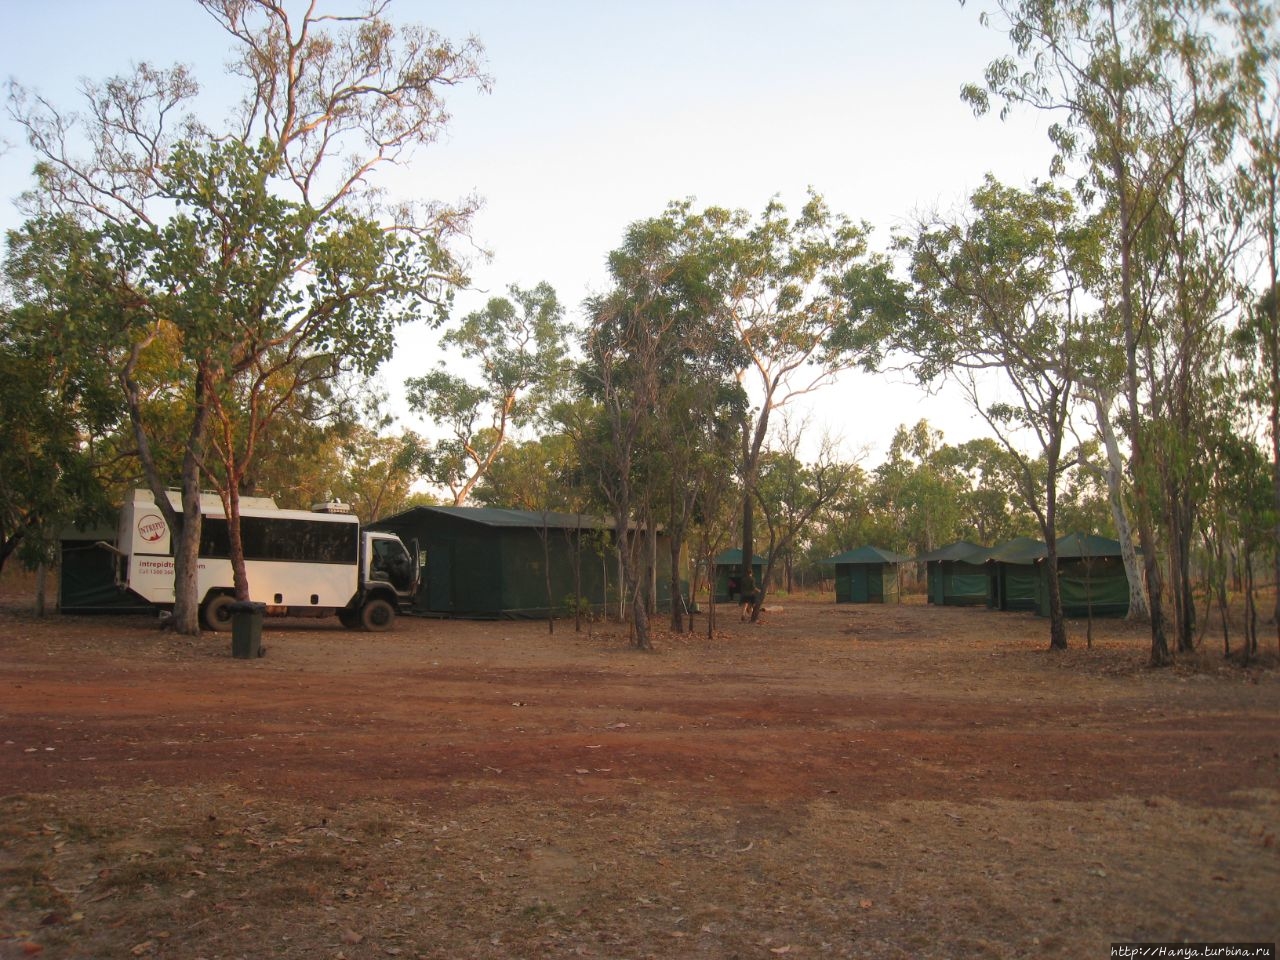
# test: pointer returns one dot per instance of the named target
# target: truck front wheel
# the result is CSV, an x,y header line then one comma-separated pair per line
x,y
377,615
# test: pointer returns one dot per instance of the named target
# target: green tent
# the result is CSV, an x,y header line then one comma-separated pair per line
x,y
1091,577
487,562
87,575
1015,574
867,575
728,566
957,574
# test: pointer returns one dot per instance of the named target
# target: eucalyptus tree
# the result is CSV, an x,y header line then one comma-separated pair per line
x,y
658,367
262,243
352,463
269,298
1144,95
917,493
849,522
994,508
1256,343
519,347
535,474
715,502
807,299
792,495
1258,185
695,450
1003,292
337,445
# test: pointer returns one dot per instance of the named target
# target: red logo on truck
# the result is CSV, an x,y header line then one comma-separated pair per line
x,y
151,528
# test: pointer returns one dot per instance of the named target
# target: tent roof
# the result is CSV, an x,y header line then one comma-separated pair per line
x,y
96,532
500,517
1076,545
734,556
1020,550
962,551
868,555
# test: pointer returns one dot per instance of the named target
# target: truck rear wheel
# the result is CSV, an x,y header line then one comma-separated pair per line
x,y
216,612
377,615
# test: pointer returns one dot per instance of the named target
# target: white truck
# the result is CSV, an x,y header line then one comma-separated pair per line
x,y
299,563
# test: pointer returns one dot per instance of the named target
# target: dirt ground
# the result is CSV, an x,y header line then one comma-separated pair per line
x,y
848,781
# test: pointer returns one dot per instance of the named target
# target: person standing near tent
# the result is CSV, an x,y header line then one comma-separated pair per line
x,y
748,597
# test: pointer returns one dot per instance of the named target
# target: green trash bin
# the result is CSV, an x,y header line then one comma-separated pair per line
x,y
246,629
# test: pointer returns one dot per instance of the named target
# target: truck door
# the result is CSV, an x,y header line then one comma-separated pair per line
x,y
392,564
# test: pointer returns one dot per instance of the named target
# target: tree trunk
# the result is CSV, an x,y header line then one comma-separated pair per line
x,y
42,588
1250,608
1115,495
622,585
677,596
651,563
546,574
711,593
235,542
632,591
1185,591
577,577
640,620
1057,622
1142,486
186,551
1275,438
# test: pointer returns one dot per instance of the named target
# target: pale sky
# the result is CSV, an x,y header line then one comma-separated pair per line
x,y
601,112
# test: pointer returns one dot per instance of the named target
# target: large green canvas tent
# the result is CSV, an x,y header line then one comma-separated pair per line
x,y
1015,574
1091,578
492,563
87,575
867,575
956,574
728,566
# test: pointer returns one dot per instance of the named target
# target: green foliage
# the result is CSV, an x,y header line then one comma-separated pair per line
x,y
1256,342
794,497
534,475
575,606
58,405
917,493
519,347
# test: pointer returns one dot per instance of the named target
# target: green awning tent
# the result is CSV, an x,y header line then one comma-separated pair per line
x,y
87,575
1015,574
867,575
728,565
1091,577
491,563
957,575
